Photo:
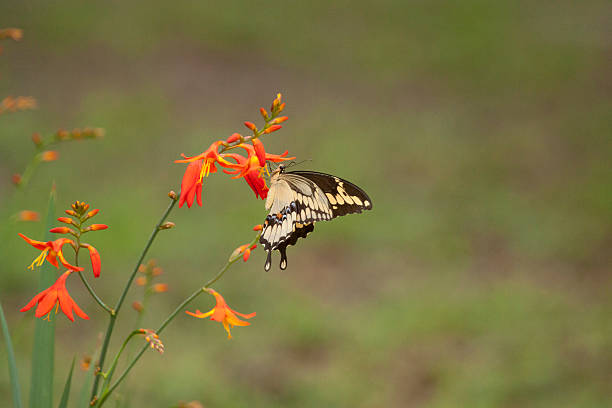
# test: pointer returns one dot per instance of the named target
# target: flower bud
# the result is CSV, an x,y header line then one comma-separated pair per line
x,y
28,215
234,137
62,134
65,220
160,287
61,230
49,155
70,212
96,227
281,107
36,139
137,306
77,133
258,227
157,271
280,119
85,362
167,225
16,179
98,132
250,126
272,128
141,281
92,213
173,195
263,112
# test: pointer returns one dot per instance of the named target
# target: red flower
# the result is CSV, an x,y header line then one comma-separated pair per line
x,y
51,251
94,256
252,167
55,295
200,166
223,313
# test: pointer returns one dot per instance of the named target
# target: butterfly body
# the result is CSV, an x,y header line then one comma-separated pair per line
x,y
298,199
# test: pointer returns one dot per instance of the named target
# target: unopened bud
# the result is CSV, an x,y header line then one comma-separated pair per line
x,y
167,225
36,139
280,119
160,287
157,271
16,179
70,212
250,126
61,230
173,195
85,363
65,220
62,134
142,268
234,137
92,213
49,155
281,107
96,227
28,215
141,281
263,112
272,128
77,133
258,227
137,306
98,132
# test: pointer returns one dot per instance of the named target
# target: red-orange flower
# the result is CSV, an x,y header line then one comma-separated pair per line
x,y
200,166
223,313
252,167
55,295
51,251
94,256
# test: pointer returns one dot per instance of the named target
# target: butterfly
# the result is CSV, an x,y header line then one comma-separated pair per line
x,y
298,199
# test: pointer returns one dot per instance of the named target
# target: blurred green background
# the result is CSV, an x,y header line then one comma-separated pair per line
x,y
481,130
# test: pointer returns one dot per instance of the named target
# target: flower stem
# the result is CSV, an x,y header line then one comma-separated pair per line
x,y
113,316
86,283
165,323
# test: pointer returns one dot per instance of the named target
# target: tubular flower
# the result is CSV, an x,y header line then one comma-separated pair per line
x,y
51,251
94,256
200,166
56,295
252,167
223,313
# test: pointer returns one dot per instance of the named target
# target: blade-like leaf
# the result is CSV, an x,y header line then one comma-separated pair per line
x,y
66,394
41,385
11,362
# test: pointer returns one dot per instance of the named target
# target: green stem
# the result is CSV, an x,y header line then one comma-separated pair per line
x,y
109,374
84,280
113,316
172,315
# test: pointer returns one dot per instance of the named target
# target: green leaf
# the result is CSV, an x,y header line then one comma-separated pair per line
x,y
11,361
66,394
41,385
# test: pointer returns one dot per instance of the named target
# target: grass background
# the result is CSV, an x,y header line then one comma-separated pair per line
x,y
481,130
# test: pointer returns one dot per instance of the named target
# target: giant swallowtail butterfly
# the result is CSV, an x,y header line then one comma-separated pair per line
x,y
298,199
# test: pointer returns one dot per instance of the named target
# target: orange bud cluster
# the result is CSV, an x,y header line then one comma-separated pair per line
x,y
153,339
150,270
78,134
20,103
14,34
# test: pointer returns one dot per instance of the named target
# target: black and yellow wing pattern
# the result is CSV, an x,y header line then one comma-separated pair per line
x,y
298,199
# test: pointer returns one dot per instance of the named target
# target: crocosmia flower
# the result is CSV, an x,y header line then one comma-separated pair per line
x,y
200,166
223,313
51,251
55,296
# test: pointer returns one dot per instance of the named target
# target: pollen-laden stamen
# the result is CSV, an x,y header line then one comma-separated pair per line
x,y
39,259
206,168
